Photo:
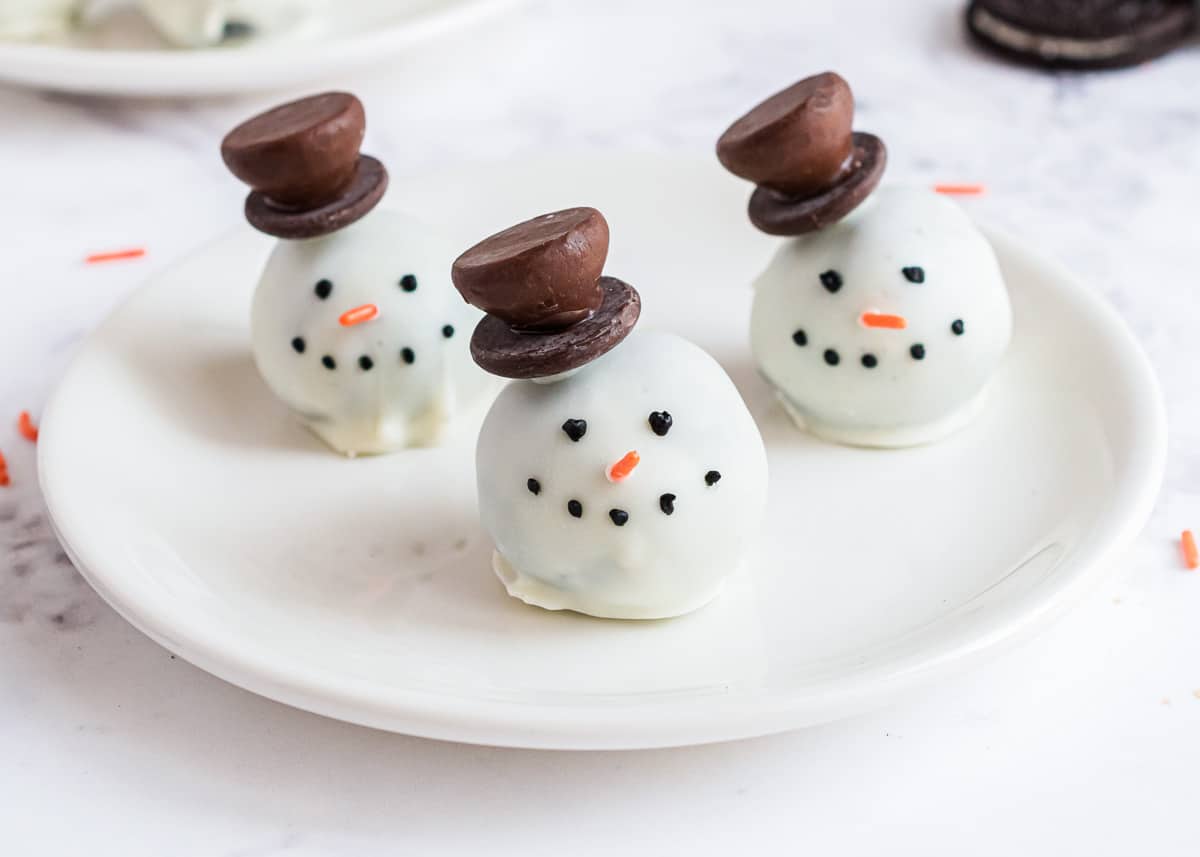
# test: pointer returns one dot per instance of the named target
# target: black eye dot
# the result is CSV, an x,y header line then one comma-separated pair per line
x,y
958,327
913,274
619,516
917,351
298,345
534,486
831,280
712,477
667,503
575,508
660,423
800,338
366,363
323,289
447,330
408,282
575,429
831,357
870,361
407,355
328,362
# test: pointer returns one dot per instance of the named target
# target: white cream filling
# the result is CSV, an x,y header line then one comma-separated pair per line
x,y
1049,47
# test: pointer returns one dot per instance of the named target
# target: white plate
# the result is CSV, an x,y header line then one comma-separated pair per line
x,y
362,589
360,35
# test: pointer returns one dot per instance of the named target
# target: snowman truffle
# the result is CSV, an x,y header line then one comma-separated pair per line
x,y
353,323
621,476
882,320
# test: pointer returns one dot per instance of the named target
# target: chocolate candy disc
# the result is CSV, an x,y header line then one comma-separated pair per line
x,y
509,353
780,214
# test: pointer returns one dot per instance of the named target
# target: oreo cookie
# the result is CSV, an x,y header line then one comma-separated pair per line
x,y
1082,34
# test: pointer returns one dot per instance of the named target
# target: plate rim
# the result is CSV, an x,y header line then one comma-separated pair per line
x,y
472,719
189,73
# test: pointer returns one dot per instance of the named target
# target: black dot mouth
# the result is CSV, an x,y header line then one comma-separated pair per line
x,y
366,363
328,362
619,517
408,355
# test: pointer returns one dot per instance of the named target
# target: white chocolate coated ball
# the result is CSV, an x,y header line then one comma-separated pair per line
x,y
378,385
661,541
885,328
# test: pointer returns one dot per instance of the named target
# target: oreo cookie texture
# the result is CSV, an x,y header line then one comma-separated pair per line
x,y
1082,34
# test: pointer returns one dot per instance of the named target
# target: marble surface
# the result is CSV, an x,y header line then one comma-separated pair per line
x,y
1085,740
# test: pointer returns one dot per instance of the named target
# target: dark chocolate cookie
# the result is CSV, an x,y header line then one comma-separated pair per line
x,y
509,353
1082,34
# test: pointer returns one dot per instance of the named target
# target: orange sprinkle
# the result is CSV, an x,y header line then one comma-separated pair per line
x,y
960,189
26,427
892,322
624,467
116,255
1191,556
358,315
4,480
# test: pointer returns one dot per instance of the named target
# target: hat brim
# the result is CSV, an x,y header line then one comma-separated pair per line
x,y
365,190
780,214
502,351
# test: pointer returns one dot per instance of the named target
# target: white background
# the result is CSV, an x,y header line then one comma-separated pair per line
x,y
1085,740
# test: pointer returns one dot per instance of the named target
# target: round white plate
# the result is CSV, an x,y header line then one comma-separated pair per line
x,y
362,589
134,62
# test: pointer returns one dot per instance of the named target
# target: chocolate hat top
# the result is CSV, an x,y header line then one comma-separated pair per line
x,y
548,308
798,146
302,162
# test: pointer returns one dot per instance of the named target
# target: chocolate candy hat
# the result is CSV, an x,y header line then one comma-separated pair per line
x,y
302,162
798,147
548,308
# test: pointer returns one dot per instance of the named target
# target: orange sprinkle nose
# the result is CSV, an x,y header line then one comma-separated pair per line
x,y
959,189
1191,556
26,427
623,468
358,315
891,322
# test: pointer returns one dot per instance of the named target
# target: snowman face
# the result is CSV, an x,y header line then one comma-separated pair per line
x,y
363,326
630,488
889,321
